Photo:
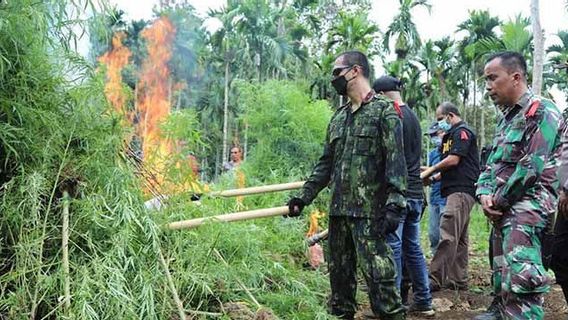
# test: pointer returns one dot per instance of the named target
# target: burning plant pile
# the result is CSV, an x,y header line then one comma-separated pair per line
x,y
76,240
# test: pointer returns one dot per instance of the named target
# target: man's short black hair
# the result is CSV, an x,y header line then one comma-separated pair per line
x,y
357,58
448,107
512,61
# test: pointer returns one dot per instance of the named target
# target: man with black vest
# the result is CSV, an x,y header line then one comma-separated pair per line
x,y
459,169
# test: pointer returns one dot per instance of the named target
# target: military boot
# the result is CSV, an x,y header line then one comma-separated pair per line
x,y
493,312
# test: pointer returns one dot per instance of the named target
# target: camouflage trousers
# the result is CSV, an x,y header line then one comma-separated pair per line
x,y
356,242
519,277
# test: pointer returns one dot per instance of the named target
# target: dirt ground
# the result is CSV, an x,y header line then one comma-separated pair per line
x,y
458,305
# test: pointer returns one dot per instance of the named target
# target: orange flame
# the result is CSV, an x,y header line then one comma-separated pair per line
x,y
240,180
115,60
153,95
315,215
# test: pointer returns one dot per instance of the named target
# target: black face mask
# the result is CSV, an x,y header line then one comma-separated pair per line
x,y
340,85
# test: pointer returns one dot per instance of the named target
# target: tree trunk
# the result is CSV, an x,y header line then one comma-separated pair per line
x,y
538,55
225,113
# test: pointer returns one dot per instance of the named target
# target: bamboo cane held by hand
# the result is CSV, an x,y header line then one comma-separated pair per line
x,y
235,216
259,189
317,237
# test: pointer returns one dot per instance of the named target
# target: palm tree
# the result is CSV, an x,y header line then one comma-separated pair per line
x,y
515,37
438,60
480,27
402,26
558,66
353,31
559,53
226,41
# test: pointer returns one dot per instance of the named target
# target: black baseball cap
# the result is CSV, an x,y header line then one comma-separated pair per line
x,y
387,83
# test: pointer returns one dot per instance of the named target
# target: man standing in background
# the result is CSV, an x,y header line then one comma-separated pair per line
x,y
459,169
405,242
437,204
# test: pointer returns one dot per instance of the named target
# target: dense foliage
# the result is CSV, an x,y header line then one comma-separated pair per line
x,y
260,81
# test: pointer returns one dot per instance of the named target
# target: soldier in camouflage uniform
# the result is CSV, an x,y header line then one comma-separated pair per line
x,y
363,163
518,187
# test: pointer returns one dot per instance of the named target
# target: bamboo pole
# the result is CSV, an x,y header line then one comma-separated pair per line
x,y
177,300
65,248
317,237
229,217
259,189
241,284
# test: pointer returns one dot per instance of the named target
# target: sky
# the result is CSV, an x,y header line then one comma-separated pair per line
x,y
442,20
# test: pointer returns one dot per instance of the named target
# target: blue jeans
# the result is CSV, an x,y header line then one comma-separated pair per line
x,y
436,212
407,238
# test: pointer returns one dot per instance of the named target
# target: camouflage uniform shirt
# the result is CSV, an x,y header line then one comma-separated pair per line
x,y
523,162
363,161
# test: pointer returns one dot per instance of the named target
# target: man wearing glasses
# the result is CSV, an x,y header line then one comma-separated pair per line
x,y
363,164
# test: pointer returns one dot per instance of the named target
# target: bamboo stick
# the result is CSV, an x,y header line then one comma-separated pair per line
x,y
229,217
317,237
65,248
241,284
259,189
177,300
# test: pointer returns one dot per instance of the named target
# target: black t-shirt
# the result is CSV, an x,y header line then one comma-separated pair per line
x,y
412,138
460,141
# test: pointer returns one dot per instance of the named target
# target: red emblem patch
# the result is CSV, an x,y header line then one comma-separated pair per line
x,y
532,109
397,109
464,135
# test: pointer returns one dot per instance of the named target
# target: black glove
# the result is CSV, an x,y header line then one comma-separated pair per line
x,y
391,219
295,205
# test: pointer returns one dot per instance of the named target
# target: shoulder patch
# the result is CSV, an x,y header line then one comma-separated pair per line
x,y
532,109
464,135
397,109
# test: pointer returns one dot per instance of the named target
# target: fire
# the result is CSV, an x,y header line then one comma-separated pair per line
x,y
153,103
115,60
315,215
315,252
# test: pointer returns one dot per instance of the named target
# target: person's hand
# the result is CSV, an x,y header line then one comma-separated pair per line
x,y
487,206
295,206
563,204
427,172
391,219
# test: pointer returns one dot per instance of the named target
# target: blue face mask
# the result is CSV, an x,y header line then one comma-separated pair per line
x,y
437,141
444,125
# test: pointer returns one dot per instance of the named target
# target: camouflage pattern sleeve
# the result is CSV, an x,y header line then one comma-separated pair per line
x,y
395,164
542,134
484,182
321,173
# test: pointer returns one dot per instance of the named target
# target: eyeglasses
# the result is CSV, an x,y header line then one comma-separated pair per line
x,y
337,71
